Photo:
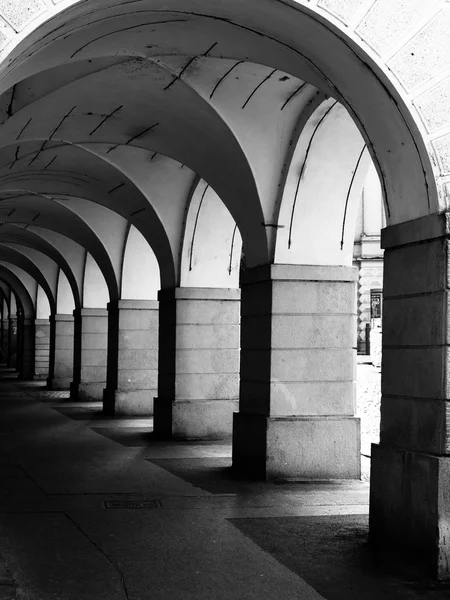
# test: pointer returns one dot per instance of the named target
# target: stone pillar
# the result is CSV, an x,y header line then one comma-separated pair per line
x,y
410,470
42,349
19,353
298,370
12,331
198,379
12,355
137,365
61,371
90,383
5,339
26,370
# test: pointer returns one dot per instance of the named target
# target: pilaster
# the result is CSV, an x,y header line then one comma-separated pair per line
x,y
410,472
198,362
298,368
90,383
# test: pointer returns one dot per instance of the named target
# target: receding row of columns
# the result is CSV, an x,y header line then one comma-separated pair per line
x,y
275,365
273,362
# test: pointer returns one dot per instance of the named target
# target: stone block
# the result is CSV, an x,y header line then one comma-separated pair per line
x,y
138,319
206,386
93,374
315,364
94,324
207,361
206,336
138,359
318,398
415,269
203,420
425,55
138,339
416,372
301,331
308,448
416,424
59,382
93,358
207,312
410,505
314,297
94,341
91,390
390,19
135,403
64,328
417,320
131,379
64,342
63,356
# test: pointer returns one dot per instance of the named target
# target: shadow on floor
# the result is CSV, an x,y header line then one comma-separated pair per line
x,y
332,554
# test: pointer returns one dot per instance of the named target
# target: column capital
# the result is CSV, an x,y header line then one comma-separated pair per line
x,y
195,293
416,231
134,305
91,312
62,317
299,273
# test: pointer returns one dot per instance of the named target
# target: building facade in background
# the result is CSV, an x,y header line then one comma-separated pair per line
x,y
368,257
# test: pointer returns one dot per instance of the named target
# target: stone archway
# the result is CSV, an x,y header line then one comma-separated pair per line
x,y
344,50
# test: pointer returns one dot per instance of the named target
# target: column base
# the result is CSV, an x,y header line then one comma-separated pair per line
x,y
307,448
410,505
194,419
39,377
58,383
87,391
133,403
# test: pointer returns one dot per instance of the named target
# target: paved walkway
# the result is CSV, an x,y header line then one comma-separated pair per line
x,y
93,508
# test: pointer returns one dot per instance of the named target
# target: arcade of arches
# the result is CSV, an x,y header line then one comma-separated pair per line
x,y
179,191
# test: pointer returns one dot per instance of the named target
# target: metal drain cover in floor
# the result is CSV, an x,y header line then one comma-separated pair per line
x,y
133,504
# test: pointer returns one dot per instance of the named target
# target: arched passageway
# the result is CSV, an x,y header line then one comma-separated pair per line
x,y
220,125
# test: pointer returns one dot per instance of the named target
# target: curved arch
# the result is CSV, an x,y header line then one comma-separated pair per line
x,y
141,278
16,284
43,310
26,237
50,214
95,289
16,258
65,303
321,193
302,32
211,245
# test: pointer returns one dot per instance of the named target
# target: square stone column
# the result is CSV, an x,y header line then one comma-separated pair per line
x,y
410,471
137,364
26,364
41,348
5,339
90,375
298,370
198,379
61,371
12,355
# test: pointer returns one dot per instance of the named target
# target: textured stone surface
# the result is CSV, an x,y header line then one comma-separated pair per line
x,y
433,105
388,20
20,13
344,9
409,503
282,447
426,54
442,146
